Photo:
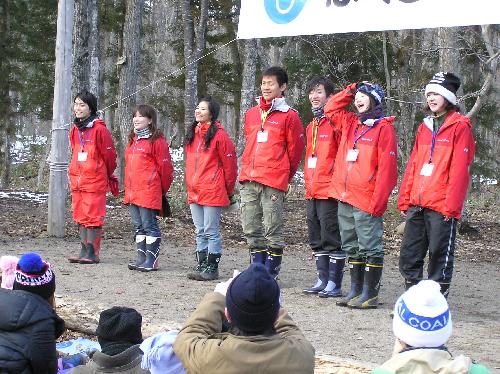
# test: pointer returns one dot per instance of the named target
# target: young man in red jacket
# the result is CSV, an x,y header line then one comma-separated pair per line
x,y
322,222
435,185
274,143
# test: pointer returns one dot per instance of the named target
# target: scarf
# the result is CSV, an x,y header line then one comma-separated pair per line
x,y
113,348
318,113
143,133
265,106
375,113
82,124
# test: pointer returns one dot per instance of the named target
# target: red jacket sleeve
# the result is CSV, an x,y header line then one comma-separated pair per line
x,y
163,161
387,174
408,178
463,154
295,142
106,148
227,155
335,107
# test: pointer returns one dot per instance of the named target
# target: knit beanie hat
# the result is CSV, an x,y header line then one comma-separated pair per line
x,y
422,317
445,84
372,90
252,299
119,324
8,266
35,275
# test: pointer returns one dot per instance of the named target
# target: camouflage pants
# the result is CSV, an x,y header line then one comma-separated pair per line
x,y
262,216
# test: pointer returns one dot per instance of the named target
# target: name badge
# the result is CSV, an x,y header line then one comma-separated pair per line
x,y
352,155
311,162
262,137
82,156
427,170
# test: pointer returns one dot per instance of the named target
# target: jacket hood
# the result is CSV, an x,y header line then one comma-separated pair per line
x,y
278,104
451,118
22,308
421,361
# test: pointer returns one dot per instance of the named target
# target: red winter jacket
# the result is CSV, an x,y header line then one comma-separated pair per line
x,y
445,189
367,182
272,163
210,173
318,178
96,146
148,172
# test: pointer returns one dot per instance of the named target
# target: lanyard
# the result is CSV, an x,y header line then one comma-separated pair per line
x,y
354,146
433,144
82,142
263,118
314,135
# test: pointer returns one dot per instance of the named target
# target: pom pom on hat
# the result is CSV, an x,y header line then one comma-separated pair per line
x,y
422,317
444,84
8,267
35,275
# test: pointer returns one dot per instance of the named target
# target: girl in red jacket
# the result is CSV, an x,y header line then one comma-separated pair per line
x,y
211,169
364,175
148,176
435,185
91,168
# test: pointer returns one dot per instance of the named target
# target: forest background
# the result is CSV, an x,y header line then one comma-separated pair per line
x,y
169,53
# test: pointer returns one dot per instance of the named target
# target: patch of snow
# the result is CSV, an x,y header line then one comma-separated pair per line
x,y
36,197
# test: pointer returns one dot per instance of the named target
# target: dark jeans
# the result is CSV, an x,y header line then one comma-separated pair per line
x,y
426,230
323,226
144,221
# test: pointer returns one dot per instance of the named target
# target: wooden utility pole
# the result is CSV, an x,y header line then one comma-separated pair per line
x,y
61,116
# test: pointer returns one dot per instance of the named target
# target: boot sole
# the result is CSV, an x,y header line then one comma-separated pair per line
x,y
367,304
74,260
325,296
146,270
88,262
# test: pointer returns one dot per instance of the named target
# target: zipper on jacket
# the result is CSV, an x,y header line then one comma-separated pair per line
x,y
130,174
196,165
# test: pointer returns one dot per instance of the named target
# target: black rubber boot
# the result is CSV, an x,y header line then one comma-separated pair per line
x,y
83,242
94,236
152,253
273,262
335,275
357,270
371,286
140,241
409,283
258,255
322,261
201,258
211,269
445,288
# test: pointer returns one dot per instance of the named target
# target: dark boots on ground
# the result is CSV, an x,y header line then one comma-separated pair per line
x,y
90,241
201,259
371,285
258,255
335,275
273,262
322,263
83,242
207,268
152,253
140,241
357,272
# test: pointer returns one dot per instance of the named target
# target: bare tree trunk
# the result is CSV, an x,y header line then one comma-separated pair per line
x,y
129,71
59,156
5,99
94,48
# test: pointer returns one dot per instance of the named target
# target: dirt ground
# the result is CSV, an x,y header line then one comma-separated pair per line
x,y
166,298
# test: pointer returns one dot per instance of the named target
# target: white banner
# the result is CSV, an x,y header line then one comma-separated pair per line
x,y
270,18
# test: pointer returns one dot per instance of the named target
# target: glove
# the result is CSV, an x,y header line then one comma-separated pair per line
x,y
223,286
113,185
233,199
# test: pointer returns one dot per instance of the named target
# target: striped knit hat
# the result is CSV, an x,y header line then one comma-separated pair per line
x,y
35,275
444,84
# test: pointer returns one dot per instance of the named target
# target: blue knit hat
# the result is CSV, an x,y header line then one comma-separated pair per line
x,y
35,275
373,90
252,299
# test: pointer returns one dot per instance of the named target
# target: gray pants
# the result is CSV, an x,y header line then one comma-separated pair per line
x,y
361,233
262,216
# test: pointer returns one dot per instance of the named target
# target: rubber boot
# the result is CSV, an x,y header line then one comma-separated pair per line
x,y
335,275
258,255
83,241
371,286
94,235
140,241
409,283
322,261
201,258
357,271
273,262
445,288
211,269
152,253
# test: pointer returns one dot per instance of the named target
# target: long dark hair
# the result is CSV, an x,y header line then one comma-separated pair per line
x,y
214,109
149,112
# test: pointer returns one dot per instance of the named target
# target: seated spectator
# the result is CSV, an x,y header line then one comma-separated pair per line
x,y
119,334
422,326
29,326
8,268
159,356
262,338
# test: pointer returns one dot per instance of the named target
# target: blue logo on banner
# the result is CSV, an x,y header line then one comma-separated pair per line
x,y
283,11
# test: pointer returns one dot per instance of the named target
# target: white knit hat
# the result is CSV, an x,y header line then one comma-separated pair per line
x,y
422,317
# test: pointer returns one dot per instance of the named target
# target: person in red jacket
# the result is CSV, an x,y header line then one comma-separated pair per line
x,y
148,176
322,222
435,185
91,168
211,169
274,144
364,175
